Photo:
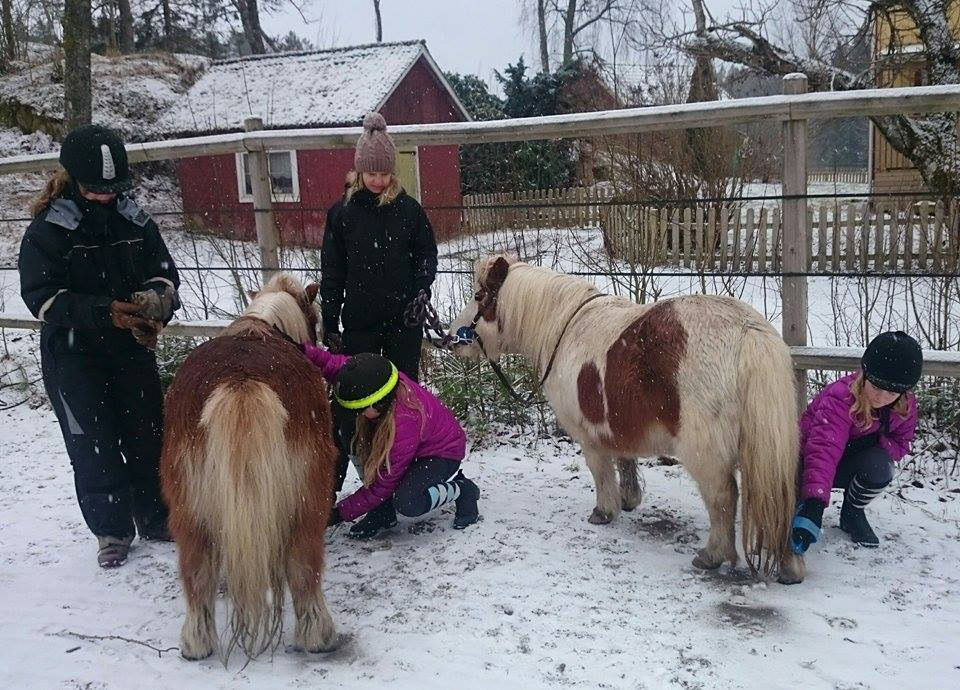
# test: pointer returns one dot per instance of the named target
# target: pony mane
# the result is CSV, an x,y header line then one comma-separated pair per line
x,y
534,306
279,306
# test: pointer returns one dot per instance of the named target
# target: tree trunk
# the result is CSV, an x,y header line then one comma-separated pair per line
x,y
376,11
542,31
9,39
167,26
569,21
250,18
76,58
126,26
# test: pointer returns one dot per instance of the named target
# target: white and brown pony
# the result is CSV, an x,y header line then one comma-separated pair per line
x,y
704,379
247,471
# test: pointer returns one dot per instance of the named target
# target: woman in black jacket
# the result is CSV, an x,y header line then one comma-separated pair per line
x,y
379,254
95,271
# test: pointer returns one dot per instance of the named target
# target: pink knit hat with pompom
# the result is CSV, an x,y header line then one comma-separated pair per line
x,y
375,149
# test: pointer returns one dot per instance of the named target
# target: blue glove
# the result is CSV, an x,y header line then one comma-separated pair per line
x,y
806,525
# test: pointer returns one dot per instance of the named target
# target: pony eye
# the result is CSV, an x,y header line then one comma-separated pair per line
x,y
478,296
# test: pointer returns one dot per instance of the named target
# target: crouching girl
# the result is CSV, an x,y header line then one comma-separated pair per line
x,y
409,445
852,434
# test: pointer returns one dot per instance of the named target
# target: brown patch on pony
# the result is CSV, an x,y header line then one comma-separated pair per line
x,y
590,393
496,277
641,377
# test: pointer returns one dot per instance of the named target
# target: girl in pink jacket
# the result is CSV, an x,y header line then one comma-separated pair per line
x,y
408,443
851,435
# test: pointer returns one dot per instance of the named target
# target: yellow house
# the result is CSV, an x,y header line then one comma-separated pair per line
x,y
898,60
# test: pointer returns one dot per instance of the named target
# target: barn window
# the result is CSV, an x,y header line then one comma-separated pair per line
x,y
284,181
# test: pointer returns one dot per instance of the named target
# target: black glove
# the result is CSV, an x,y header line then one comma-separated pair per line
x,y
334,342
806,525
335,517
415,313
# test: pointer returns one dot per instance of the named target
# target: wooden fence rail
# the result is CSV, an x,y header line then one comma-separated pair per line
x,y
935,363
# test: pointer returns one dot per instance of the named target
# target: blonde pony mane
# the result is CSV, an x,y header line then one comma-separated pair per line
x,y
534,304
278,305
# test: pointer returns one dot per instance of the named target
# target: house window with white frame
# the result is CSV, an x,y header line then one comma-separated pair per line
x,y
284,181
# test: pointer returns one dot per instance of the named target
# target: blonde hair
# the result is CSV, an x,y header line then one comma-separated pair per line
x,y
51,190
862,411
391,192
373,438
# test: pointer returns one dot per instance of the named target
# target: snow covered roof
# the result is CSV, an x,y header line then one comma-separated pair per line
x,y
302,89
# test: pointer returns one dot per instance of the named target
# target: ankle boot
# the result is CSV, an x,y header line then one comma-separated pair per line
x,y
381,518
467,511
853,519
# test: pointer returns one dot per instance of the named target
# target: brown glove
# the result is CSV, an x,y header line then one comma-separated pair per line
x,y
155,305
125,315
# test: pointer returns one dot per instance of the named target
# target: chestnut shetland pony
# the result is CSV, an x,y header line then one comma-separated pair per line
x,y
704,379
247,470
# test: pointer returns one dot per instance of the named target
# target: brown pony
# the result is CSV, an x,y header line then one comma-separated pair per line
x,y
247,471
704,379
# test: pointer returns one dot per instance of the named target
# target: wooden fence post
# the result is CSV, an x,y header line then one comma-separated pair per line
x,y
795,257
262,204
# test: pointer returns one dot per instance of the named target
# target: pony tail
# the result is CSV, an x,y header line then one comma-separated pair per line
x,y
51,190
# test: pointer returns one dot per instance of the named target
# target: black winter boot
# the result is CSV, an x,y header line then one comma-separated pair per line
x,y
853,519
467,511
381,518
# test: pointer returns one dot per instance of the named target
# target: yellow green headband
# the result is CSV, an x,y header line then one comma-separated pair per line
x,y
374,397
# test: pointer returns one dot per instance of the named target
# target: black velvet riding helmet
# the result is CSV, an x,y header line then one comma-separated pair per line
x,y
366,380
893,361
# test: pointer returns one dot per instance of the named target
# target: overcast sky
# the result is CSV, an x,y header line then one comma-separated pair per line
x,y
467,36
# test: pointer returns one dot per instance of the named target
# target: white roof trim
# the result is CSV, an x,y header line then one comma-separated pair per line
x,y
439,75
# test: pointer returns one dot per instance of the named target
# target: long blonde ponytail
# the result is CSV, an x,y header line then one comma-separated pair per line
x,y
862,411
373,438
51,190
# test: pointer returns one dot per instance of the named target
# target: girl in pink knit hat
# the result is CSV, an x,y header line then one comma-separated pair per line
x,y
378,256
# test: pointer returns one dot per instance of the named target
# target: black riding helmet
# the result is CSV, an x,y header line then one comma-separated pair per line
x,y
893,361
366,380
94,157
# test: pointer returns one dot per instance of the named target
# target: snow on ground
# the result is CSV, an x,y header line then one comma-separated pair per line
x,y
532,597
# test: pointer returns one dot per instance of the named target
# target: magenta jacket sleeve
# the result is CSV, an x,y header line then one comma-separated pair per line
x,y
823,447
328,363
902,429
404,451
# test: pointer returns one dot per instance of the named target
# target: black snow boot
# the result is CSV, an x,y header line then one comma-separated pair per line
x,y
853,519
467,511
381,518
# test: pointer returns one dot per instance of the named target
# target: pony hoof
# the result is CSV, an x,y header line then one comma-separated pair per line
x,y
628,506
598,517
190,655
320,648
705,563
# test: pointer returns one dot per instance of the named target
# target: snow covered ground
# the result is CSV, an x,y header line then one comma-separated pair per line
x,y
532,597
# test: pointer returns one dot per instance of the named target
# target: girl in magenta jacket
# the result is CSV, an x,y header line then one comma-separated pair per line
x,y
853,432
408,444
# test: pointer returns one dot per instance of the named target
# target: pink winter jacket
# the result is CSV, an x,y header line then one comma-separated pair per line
x,y
826,427
434,434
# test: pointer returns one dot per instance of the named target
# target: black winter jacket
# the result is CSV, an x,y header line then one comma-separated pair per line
x,y
76,257
374,261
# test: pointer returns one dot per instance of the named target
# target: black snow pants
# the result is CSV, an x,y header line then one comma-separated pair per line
x,y
110,409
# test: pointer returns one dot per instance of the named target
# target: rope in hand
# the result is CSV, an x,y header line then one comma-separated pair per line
x,y
420,313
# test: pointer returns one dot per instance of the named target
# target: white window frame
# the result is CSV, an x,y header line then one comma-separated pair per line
x,y
276,198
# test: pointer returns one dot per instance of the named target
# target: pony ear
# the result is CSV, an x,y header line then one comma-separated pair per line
x,y
312,289
497,273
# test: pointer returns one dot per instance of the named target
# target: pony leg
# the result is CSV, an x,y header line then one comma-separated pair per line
x,y
713,471
315,631
198,571
631,490
605,481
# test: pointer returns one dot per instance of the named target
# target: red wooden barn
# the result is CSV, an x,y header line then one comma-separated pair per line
x,y
324,88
